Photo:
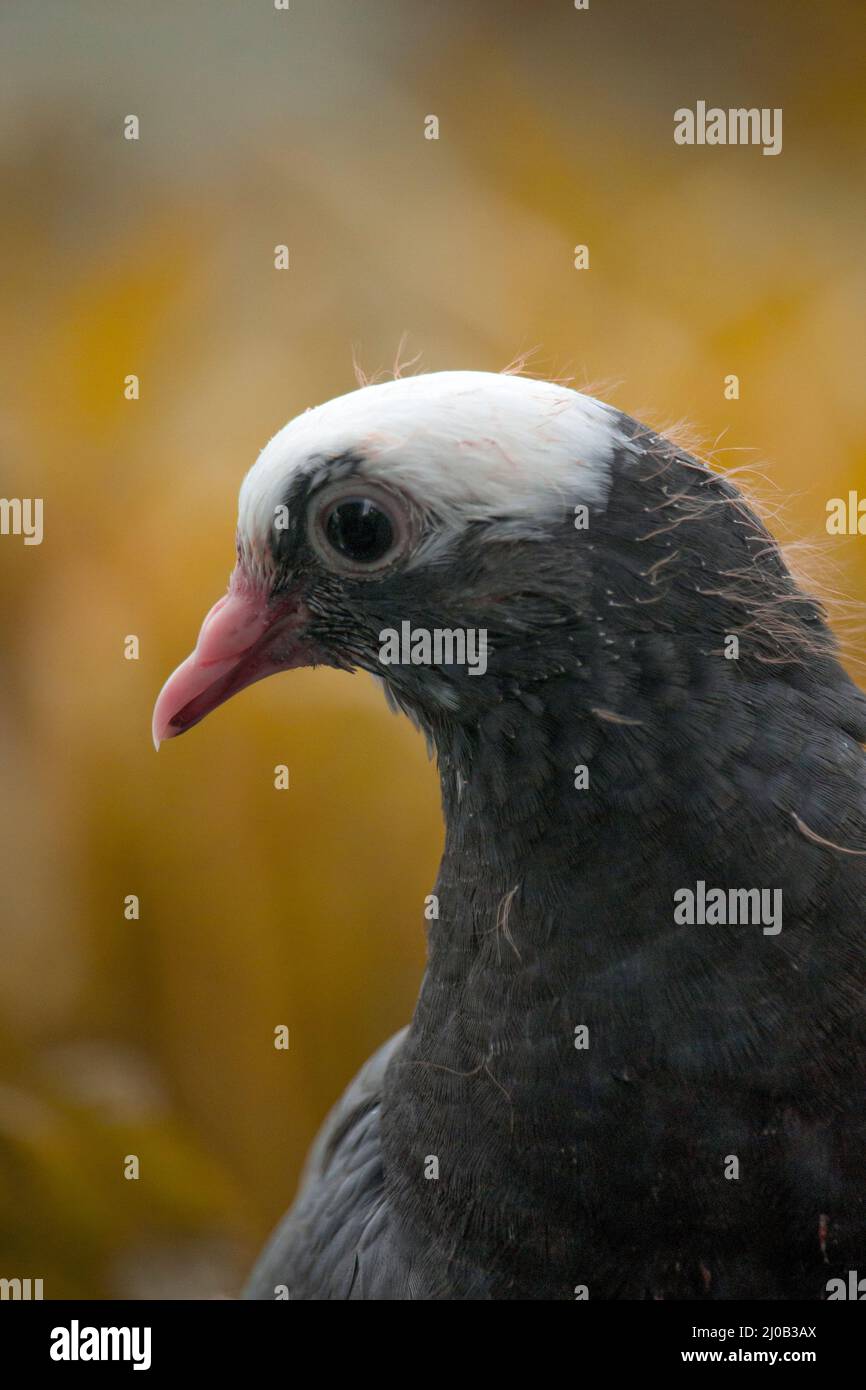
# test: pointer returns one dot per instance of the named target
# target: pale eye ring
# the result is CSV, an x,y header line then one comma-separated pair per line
x,y
359,528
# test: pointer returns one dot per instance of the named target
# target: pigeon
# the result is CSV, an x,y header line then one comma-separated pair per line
x,y
636,1065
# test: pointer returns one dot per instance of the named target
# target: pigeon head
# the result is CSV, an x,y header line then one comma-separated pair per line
x,y
515,560
430,530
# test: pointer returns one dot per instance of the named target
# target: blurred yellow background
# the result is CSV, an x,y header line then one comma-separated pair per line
x,y
305,908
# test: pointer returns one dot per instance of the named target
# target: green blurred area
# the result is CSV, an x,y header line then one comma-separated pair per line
x,y
305,908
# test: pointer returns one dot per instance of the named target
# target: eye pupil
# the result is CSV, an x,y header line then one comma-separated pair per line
x,y
359,530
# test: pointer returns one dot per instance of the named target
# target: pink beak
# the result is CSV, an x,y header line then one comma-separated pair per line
x,y
243,639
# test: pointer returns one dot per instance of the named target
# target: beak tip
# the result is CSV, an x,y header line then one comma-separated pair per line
x,y
160,727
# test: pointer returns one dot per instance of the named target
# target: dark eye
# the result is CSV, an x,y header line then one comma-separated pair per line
x,y
359,528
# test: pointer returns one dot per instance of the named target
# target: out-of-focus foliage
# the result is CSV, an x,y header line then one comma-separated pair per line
x,y
305,907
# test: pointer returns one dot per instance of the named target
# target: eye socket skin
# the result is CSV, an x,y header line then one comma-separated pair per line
x,y
359,528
